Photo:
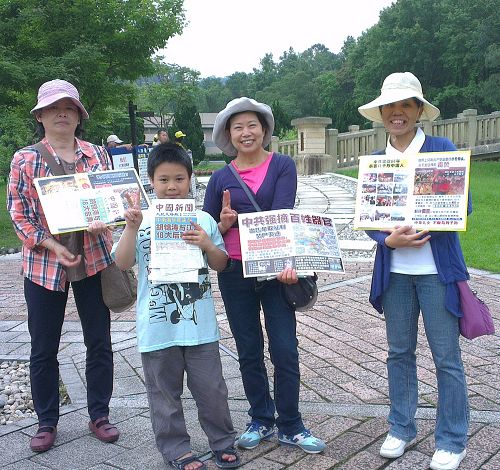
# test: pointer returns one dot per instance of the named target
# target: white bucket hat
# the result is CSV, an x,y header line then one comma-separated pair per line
x,y
56,90
398,87
240,105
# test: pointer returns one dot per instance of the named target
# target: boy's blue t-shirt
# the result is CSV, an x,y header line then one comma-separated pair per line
x,y
174,314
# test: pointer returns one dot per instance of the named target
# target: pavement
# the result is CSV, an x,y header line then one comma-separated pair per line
x,y
344,393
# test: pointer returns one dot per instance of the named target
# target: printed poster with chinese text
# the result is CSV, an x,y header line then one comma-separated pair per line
x,y
426,190
172,259
71,202
273,240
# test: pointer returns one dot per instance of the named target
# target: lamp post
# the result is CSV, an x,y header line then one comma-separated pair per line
x,y
133,130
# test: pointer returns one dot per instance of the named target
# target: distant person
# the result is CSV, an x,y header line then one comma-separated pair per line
x,y
168,348
417,271
51,263
113,142
161,137
179,138
243,130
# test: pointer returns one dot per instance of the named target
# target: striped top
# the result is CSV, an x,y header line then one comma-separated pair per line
x,y
39,264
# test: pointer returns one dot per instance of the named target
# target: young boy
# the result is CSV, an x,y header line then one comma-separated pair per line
x,y
188,344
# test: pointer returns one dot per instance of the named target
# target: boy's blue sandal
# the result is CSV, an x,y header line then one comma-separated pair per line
x,y
305,440
221,463
255,433
180,464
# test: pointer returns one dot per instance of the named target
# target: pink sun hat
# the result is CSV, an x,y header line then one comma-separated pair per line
x,y
56,90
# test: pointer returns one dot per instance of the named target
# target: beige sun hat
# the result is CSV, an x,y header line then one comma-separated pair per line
x,y
396,87
240,105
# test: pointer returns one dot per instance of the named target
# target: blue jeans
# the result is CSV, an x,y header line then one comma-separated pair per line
x,y
403,300
243,298
45,319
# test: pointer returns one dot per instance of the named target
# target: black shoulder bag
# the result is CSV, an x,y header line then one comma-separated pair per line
x,y
301,295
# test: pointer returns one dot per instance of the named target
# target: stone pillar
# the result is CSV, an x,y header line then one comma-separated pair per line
x,y
380,136
471,116
312,157
427,127
332,141
352,144
274,145
496,126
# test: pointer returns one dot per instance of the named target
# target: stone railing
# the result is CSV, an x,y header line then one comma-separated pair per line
x,y
480,133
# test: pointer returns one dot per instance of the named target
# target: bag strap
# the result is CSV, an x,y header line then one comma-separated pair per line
x,y
245,187
56,168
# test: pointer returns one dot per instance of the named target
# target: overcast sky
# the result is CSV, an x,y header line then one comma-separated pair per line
x,y
227,36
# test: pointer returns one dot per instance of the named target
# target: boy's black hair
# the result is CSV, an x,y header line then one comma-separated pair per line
x,y
170,153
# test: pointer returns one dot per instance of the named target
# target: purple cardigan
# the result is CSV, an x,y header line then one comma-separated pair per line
x,y
277,191
445,247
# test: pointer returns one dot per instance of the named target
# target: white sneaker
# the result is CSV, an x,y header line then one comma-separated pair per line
x,y
393,447
445,460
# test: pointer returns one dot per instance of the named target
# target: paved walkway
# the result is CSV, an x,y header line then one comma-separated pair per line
x,y
344,382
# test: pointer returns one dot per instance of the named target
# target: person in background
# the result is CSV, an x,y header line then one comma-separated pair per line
x,y
417,271
168,349
161,137
179,137
113,142
51,263
243,129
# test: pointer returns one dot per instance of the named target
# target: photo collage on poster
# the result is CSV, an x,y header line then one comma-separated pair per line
x,y
426,191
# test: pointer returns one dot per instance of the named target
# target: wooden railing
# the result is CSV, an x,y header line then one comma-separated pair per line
x,y
467,130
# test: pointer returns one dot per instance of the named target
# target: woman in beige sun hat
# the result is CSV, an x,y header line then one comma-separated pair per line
x,y
417,272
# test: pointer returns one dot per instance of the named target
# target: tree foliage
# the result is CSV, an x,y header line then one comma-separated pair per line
x,y
98,45
187,119
105,47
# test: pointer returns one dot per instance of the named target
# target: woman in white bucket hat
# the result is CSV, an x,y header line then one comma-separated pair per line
x,y
413,272
243,129
52,262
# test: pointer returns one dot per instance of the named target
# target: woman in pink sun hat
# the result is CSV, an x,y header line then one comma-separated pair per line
x,y
51,263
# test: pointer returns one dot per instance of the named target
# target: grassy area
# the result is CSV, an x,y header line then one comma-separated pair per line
x,y
352,171
8,238
480,242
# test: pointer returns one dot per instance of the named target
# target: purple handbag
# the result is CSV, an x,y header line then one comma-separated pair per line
x,y
476,320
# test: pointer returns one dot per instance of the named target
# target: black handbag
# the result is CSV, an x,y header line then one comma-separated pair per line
x,y
301,295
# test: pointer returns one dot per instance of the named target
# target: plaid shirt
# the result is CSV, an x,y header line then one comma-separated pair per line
x,y
40,265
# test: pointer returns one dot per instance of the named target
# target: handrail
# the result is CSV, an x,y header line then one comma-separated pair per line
x,y
467,130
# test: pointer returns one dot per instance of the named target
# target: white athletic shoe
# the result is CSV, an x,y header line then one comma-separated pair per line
x,y
393,447
445,460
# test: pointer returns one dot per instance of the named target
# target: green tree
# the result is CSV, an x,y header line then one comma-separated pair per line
x,y
282,121
187,119
238,83
98,45
159,92
214,95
